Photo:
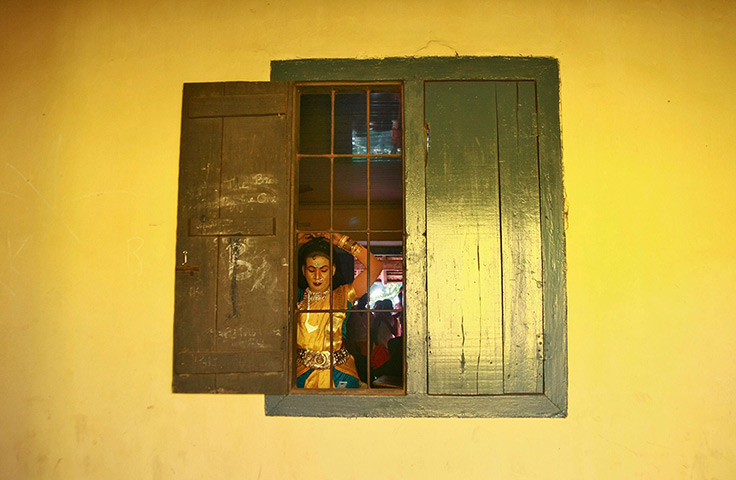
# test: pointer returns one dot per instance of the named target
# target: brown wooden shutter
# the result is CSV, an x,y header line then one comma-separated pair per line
x,y
231,312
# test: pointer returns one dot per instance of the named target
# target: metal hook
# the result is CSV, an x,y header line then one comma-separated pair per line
x,y
426,131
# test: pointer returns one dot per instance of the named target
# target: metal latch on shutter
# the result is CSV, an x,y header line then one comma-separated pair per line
x,y
225,227
185,267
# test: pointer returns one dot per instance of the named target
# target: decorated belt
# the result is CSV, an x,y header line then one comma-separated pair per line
x,y
321,359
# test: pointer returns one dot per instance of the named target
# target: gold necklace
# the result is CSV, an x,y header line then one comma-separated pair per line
x,y
315,296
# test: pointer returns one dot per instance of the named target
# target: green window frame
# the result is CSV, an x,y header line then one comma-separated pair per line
x,y
549,398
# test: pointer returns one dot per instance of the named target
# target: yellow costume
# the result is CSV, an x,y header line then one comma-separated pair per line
x,y
313,340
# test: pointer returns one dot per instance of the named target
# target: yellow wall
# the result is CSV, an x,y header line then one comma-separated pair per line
x,y
90,93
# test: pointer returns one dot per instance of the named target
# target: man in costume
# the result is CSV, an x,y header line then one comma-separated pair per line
x,y
322,310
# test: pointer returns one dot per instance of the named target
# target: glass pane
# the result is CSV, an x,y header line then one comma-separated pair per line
x,y
350,123
350,198
386,237
315,121
389,284
356,337
387,349
386,134
386,326
344,268
387,194
313,211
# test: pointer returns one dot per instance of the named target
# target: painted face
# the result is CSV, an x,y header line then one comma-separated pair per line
x,y
318,273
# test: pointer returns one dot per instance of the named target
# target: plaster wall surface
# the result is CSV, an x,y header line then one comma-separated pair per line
x,y
91,97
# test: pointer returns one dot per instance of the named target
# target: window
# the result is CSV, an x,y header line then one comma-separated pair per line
x,y
484,322
350,182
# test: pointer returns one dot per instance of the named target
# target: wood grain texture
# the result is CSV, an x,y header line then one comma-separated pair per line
x,y
257,361
237,226
412,406
407,68
199,190
521,237
416,241
238,105
239,202
553,236
184,383
463,240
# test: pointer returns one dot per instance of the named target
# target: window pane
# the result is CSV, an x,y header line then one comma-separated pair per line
x,y
389,284
313,212
385,123
386,325
386,237
315,121
387,348
387,195
334,196
356,336
350,123
351,195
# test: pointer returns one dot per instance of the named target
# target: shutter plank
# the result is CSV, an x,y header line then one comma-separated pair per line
x,y
231,226
199,187
463,240
521,237
253,296
194,383
238,105
554,306
256,361
242,215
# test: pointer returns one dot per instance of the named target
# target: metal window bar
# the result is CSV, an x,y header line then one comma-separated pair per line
x,y
369,315
332,227
334,87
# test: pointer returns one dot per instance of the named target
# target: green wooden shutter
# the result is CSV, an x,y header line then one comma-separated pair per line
x,y
484,277
231,312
